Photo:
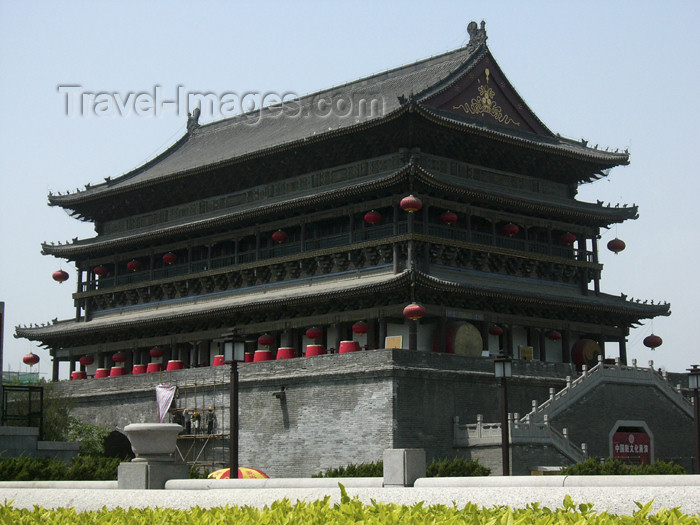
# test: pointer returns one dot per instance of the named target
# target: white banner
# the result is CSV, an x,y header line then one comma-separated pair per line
x,y
164,396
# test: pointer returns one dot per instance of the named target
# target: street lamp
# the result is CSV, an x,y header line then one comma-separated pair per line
x,y
503,368
694,385
233,353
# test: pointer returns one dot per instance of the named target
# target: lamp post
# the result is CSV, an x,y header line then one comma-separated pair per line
x,y
694,385
503,370
233,354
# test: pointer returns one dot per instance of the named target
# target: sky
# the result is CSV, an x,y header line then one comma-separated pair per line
x,y
618,74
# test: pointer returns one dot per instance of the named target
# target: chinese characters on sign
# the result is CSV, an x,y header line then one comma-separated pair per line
x,y
632,447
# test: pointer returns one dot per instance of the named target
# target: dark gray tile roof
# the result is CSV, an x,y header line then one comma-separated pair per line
x,y
269,129
244,135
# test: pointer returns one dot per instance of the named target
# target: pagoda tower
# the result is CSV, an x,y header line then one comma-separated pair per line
x,y
425,208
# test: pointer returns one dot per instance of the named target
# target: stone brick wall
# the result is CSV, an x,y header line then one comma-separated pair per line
x,y
592,419
348,408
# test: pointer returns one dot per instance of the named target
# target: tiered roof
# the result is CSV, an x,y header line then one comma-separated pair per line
x,y
424,89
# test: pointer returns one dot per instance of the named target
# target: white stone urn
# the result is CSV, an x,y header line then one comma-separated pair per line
x,y
153,441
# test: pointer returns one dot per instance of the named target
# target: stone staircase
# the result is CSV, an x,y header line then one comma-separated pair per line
x,y
535,428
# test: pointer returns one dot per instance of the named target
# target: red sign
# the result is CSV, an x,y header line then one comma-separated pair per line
x,y
632,447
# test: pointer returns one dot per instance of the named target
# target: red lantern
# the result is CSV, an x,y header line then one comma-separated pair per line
x,y
652,341
411,204
86,360
360,327
30,359
553,335
60,276
414,312
118,357
266,340
169,258
155,352
510,229
616,245
568,238
314,333
133,265
279,236
448,217
373,217
495,330
100,270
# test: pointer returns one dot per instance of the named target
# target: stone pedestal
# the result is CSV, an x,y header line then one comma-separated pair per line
x,y
154,445
144,475
403,466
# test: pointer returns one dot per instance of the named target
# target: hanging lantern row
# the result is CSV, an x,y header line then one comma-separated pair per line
x,y
616,245
314,333
510,229
30,359
360,327
266,340
495,330
568,238
155,352
100,271
373,217
60,276
553,335
133,265
448,217
414,312
169,258
86,360
279,236
118,357
652,341
411,204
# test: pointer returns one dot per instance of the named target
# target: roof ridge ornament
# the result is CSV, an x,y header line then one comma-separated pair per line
x,y
193,120
477,35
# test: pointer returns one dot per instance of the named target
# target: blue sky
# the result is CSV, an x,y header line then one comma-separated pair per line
x,y
619,74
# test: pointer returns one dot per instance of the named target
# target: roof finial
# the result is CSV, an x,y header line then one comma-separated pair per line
x,y
193,120
477,35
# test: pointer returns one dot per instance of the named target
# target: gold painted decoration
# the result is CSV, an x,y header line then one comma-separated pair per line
x,y
485,104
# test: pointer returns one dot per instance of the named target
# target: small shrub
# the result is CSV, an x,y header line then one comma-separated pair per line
x,y
49,469
615,467
659,467
438,468
93,468
363,470
456,467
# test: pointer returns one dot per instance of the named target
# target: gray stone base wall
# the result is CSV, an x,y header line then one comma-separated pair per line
x,y
348,408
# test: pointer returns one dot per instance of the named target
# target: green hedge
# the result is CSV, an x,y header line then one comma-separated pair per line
x,y
437,469
614,467
86,468
348,511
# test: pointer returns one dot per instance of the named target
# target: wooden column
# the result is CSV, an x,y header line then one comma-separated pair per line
x,y
596,279
623,347
79,289
601,343
412,335
509,340
442,327
484,328
411,248
382,332
566,346
54,367
543,345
